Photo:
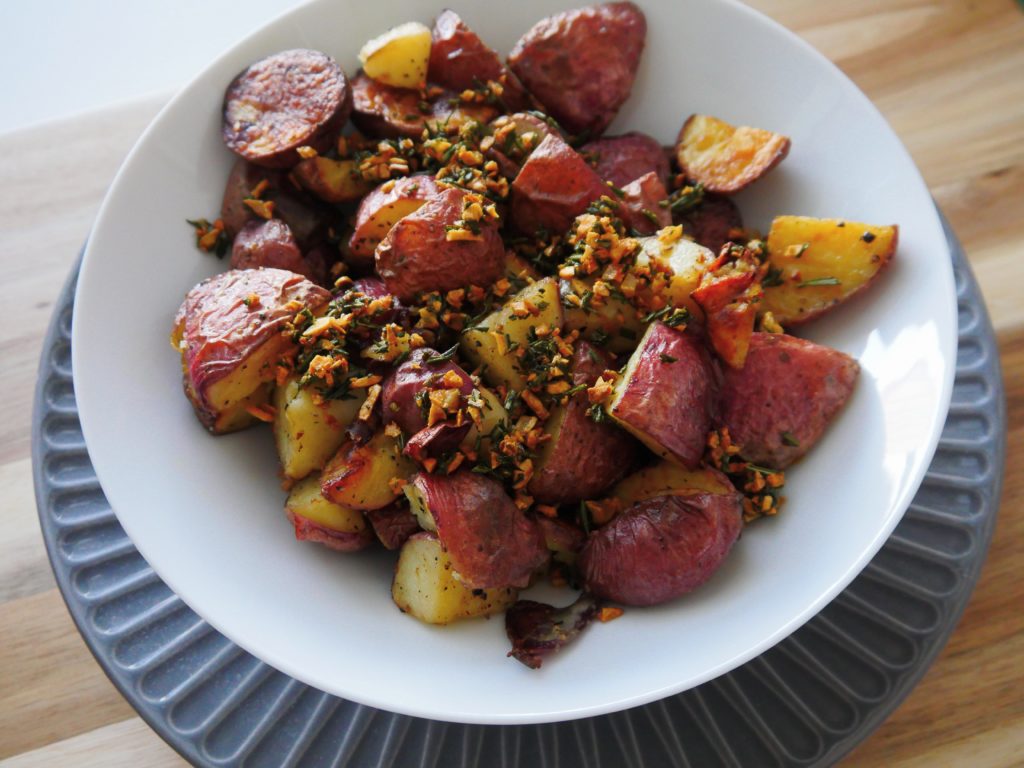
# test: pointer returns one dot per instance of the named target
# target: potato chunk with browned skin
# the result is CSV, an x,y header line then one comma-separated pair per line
x,y
725,158
317,519
367,476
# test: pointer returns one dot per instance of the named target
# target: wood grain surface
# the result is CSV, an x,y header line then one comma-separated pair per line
x,y
949,76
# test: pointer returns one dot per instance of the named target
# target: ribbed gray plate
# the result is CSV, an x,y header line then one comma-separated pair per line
x,y
806,702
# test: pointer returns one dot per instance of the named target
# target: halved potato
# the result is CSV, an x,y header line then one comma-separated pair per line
x,y
308,434
819,263
726,158
317,519
359,476
666,478
492,343
336,181
425,586
399,57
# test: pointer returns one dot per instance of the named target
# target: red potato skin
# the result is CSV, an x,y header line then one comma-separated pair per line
x,y
621,159
642,197
554,186
363,243
728,318
661,548
392,525
220,330
398,395
416,255
788,385
673,402
490,541
581,64
561,536
524,123
340,541
459,59
587,457
270,243
433,442
711,222
289,100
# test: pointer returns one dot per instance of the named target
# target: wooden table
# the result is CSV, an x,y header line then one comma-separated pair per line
x,y
949,76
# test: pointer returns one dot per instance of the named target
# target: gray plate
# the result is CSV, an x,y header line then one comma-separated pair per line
x,y
806,702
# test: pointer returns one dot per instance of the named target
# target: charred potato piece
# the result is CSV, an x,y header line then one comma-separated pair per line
x,y
317,519
667,394
360,476
491,543
422,253
289,100
725,158
270,243
621,159
666,478
398,57
381,209
492,342
229,333
819,263
661,548
779,404
581,64
308,433
334,181
425,586
554,186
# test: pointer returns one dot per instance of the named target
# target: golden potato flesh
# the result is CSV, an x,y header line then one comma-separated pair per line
x,y
336,181
361,476
666,478
614,320
687,262
399,57
306,500
818,263
725,158
425,586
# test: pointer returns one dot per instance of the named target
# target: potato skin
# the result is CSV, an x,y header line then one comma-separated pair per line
x,y
383,207
392,525
490,542
554,186
581,64
640,204
416,255
398,397
727,158
621,159
711,221
790,387
270,243
285,101
661,548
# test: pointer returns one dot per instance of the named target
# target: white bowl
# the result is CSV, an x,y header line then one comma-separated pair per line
x,y
207,512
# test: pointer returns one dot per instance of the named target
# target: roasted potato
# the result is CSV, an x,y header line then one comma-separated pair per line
x,y
684,259
724,158
308,433
393,525
381,209
581,64
360,476
729,302
819,263
270,243
643,204
334,181
621,159
712,222
228,331
666,396
398,57
554,186
615,321
492,342
422,253
435,441
515,137
661,548
425,586
779,404
563,539
398,397
317,519
490,542
666,478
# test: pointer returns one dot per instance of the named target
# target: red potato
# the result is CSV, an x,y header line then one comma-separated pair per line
x,y
433,442
536,630
460,60
778,405
554,186
228,331
270,243
729,313
418,253
398,396
319,520
726,158
381,209
666,397
491,543
583,458
562,538
286,101
340,541
711,222
515,137
392,525
661,548
581,64
642,203
621,159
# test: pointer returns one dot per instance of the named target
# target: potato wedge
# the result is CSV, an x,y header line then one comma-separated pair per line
x,y
399,57
666,478
819,263
493,341
725,158
359,476
317,519
308,434
334,181
425,586
687,261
